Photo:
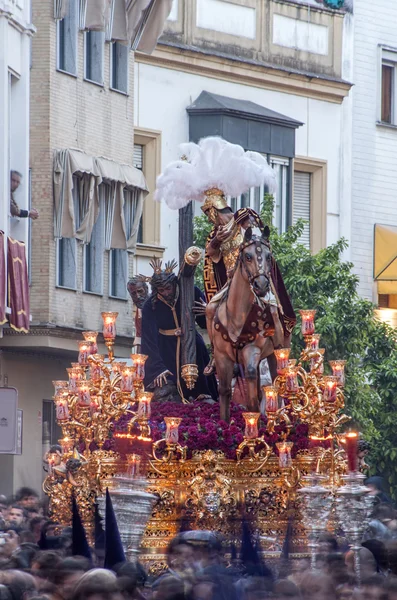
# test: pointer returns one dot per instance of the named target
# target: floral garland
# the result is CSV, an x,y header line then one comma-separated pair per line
x,y
202,428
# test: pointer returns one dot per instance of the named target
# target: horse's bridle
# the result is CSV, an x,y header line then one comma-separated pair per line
x,y
261,271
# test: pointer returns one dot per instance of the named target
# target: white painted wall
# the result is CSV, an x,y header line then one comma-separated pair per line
x,y
374,198
161,98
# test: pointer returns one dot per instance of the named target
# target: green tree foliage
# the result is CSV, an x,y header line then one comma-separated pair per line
x,y
348,331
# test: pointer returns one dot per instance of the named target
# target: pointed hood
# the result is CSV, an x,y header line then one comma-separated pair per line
x,y
114,553
80,545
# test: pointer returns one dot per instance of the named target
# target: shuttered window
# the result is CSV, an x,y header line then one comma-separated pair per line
x,y
67,40
138,164
94,47
301,206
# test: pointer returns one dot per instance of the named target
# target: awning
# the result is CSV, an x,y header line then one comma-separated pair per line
x,y
385,258
60,8
92,171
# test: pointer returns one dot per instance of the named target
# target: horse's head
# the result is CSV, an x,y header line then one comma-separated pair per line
x,y
256,260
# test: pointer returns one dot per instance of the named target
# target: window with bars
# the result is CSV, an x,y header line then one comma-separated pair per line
x,y
139,164
254,197
301,204
94,48
67,29
119,67
67,247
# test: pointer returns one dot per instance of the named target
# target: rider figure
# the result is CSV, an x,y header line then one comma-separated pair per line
x,y
221,252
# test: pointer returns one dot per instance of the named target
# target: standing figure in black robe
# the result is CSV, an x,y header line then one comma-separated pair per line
x,y
161,337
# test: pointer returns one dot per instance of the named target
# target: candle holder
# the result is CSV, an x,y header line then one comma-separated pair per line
x,y
61,406
290,475
312,342
96,360
291,380
91,338
353,508
307,327
316,504
317,362
127,379
60,385
83,393
282,357
330,388
67,444
338,370
252,441
75,374
139,361
173,448
142,416
84,353
274,414
109,331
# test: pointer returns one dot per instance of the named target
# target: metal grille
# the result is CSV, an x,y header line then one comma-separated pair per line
x,y
138,156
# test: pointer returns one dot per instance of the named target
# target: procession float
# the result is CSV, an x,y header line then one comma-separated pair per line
x,y
184,440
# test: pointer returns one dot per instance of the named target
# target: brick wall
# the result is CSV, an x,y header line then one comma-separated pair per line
x,y
374,147
69,112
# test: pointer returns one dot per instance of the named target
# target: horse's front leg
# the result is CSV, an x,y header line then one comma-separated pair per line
x,y
224,369
251,358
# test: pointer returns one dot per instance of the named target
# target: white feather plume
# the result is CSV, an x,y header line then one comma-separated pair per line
x,y
212,163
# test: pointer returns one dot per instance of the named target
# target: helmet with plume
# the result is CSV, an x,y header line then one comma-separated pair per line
x,y
209,171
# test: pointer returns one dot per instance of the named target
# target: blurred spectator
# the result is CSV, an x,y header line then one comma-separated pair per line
x,y
14,208
16,515
376,486
27,497
367,562
372,588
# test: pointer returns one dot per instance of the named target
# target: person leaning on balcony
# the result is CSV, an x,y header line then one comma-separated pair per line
x,y
14,208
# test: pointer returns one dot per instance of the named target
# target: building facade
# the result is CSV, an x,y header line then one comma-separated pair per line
x,y
374,207
271,75
89,196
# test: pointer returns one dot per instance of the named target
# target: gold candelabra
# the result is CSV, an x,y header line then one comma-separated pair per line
x,y
98,392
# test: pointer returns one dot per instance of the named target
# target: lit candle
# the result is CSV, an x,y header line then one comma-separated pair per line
x,y
307,321
118,366
66,444
133,465
338,370
144,410
251,425
282,357
60,385
291,380
91,338
75,375
127,379
83,392
352,450
95,367
271,398
84,352
284,454
330,386
61,407
172,431
109,325
313,342
139,365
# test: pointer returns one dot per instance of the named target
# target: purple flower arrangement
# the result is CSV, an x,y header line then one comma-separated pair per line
x,y
202,428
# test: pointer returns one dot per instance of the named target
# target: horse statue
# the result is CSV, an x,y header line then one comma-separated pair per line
x,y
246,329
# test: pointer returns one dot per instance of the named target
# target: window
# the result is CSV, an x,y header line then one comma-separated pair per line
x,y
119,67
94,46
118,273
388,99
51,431
139,164
93,252
67,247
254,197
67,40
301,206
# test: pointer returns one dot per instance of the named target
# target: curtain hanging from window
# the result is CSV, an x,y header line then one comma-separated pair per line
x,y
66,223
109,203
60,9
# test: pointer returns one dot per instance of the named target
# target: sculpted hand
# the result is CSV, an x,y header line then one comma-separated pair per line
x,y
222,234
162,379
199,307
34,214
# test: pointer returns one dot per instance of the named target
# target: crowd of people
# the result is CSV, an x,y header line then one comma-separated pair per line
x,y
38,561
